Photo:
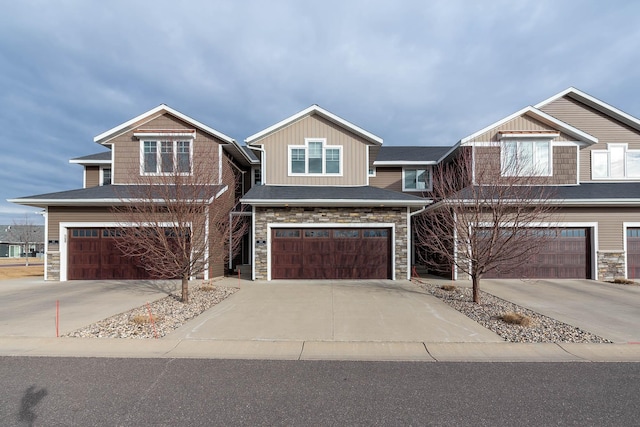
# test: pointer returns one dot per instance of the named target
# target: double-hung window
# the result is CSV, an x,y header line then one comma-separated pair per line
x,y
165,157
616,162
315,157
105,176
416,179
525,157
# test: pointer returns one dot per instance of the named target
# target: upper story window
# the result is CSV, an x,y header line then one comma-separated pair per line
x,y
525,157
165,157
315,158
616,162
416,179
105,176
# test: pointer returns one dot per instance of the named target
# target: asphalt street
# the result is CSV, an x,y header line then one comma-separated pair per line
x,y
123,392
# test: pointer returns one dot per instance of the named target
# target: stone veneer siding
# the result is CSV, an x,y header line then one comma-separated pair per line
x,y
611,265
303,216
53,265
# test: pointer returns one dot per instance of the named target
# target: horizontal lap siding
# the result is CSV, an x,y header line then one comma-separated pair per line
x,y
354,153
91,176
610,223
387,178
595,123
58,214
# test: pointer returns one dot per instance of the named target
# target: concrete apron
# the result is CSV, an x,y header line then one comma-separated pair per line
x,y
341,311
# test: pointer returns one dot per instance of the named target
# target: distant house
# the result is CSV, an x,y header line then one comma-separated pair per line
x,y
12,240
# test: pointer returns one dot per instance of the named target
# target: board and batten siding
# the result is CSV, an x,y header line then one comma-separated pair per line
x,y
91,176
595,123
126,148
354,153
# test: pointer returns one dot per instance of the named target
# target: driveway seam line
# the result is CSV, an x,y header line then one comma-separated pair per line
x,y
424,344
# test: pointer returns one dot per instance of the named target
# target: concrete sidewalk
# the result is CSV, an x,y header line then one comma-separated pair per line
x,y
358,320
319,350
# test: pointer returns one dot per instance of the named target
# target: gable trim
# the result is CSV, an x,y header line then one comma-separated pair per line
x,y
315,109
541,116
595,103
162,108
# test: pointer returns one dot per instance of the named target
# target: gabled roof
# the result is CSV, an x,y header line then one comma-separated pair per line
x,y
595,103
542,117
93,159
412,155
315,109
153,113
110,195
280,195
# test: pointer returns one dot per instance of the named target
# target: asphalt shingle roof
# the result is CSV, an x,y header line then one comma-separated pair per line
x,y
412,153
105,155
320,193
618,191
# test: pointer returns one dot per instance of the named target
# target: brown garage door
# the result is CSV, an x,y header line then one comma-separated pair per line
x,y
93,254
331,253
565,256
633,253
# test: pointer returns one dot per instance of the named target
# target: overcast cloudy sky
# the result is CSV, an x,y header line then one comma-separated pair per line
x,y
411,72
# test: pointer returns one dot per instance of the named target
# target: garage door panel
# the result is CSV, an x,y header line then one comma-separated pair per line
x,y
633,253
330,254
564,256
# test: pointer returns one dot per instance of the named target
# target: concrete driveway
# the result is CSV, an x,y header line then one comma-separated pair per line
x,y
611,311
28,306
372,311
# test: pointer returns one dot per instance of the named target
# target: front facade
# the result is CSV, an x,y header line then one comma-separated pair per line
x,y
589,152
326,200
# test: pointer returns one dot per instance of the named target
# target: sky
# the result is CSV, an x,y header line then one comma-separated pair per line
x,y
413,72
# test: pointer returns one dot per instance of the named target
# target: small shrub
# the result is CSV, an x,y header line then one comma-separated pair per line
x,y
448,288
207,288
516,319
140,319
622,281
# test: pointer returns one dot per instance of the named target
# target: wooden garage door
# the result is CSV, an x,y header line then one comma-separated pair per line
x,y
93,254
565,256
633,253
331,253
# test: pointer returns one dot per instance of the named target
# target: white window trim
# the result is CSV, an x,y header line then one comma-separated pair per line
x,y
158,155
608,152
305,147
526,139
429,186
102,168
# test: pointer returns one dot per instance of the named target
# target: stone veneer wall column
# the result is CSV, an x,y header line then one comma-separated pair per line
x,y
53,265
611,265
346,216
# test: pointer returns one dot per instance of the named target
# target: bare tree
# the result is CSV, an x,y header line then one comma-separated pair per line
x,y
176,222
25,233
494,216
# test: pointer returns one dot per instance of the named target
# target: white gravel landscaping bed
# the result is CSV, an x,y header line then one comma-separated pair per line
x,y
542,329
168,314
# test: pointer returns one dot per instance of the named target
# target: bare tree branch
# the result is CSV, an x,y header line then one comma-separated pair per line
x,y
176,220
485,218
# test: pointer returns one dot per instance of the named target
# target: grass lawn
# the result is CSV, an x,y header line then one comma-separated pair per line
x,y
21,270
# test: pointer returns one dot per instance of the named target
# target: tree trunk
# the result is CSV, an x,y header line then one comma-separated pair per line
x,y
475,280
26,254
185,289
